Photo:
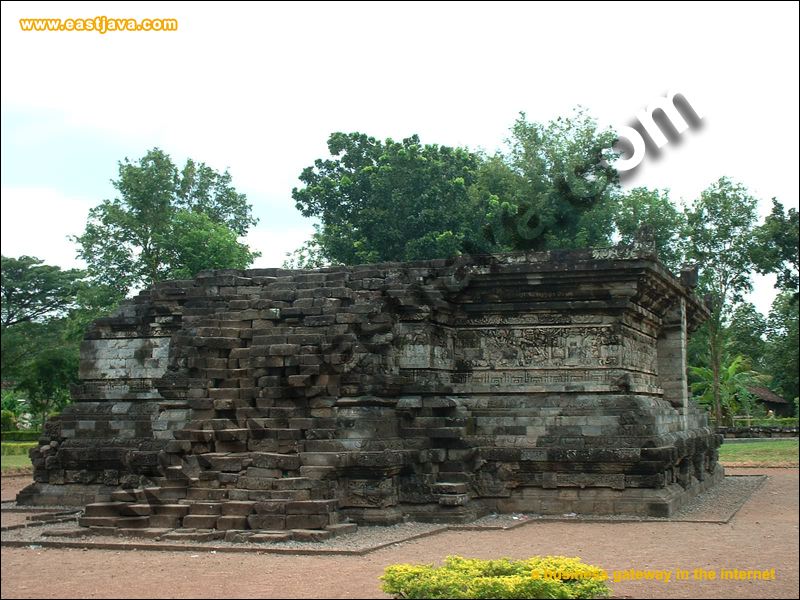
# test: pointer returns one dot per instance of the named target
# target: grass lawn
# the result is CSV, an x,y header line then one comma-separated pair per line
x,y
782,453
15,463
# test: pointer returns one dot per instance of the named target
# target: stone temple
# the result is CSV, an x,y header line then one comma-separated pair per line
x,y
305,402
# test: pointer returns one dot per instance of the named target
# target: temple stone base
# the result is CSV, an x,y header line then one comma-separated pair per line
x,y
642,502
299,403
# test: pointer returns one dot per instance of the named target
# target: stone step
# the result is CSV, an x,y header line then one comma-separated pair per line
x,y
107,521
200,521
311,521
231,522
135,495
231,435
259,495
133,522
135,510
213,494
162,495
294,483
173,510
102,509
176,474
275,460
311,507
238,508
205,508
190,535
199,435
165,521
311,535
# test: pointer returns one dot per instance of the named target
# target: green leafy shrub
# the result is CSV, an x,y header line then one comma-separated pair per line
x,y
21,436
537,577
9,420
16,448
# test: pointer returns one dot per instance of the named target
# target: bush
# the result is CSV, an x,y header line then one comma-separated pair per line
x,y
21,436
537,577
16,448
9,420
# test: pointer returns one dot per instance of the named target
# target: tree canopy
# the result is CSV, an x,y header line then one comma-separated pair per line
x,y
777,250
388,200
32,291
145,235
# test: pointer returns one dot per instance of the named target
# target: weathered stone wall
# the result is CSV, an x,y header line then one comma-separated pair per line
x,y
274,399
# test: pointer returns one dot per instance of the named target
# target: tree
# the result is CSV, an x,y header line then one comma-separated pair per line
x,y
405,201
568,190
389,200
130,241
36,299
652,209
47,379
197,242
783,346
777,248
745,335
32,291
720,233
727,389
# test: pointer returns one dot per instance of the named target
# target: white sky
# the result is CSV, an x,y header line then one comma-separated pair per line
x,y
258,88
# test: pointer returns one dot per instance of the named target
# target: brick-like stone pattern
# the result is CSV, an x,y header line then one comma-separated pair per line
x,y
300,401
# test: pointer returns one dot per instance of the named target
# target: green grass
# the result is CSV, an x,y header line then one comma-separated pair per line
x,y
762,454
15,463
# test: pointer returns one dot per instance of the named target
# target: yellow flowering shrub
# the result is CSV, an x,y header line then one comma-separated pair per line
x,y
537,577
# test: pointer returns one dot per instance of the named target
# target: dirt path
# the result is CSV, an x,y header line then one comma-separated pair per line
x,y
764,535
12,484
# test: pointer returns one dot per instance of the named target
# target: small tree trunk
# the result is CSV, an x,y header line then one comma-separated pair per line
x,y
715,354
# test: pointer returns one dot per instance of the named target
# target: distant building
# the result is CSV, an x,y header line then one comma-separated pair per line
x,y
771,401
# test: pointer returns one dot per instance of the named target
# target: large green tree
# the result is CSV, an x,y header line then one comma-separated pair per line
x,y
783,346
567,192
46,380
720,232
38,357
746,335
32,291
35,300
652,211
133,240
388,200
777,248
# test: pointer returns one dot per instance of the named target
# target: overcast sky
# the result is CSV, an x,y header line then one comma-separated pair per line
x,y
258,88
